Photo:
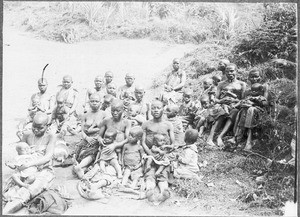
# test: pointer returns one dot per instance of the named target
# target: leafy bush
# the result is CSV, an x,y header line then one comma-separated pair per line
x,y
275,38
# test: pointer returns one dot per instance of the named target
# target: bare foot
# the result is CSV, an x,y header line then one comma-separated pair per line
x,y
164,196
248,147
231,141
150,195
79,172
211,144
220,142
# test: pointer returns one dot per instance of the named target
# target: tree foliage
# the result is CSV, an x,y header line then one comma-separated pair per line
x,y
275,38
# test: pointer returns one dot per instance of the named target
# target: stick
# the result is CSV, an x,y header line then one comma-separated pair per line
x,y
44,72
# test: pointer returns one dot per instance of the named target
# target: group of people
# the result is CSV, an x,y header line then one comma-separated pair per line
x,y
139,139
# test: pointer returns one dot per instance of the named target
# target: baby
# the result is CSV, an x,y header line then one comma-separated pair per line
x,y
109,138
255,96
161,151
106,105
111,89
187,109
132,157
134,115
27,176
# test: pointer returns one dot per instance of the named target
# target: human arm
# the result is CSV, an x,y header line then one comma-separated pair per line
x,y
144,145
44,159
75,103
182,81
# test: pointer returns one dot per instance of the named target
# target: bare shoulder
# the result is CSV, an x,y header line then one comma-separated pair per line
x,y
146,124
222,84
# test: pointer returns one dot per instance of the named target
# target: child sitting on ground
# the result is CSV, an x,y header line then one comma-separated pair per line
x,y
27,176
134,116
112,158
187,109
160,150
172,112
132,157
188,158
60,117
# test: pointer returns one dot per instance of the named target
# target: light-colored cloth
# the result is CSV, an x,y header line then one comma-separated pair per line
x,y
188,163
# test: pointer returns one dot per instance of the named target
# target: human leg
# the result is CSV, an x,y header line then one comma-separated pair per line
x,y
126,175
159,170
114,162
249,140
102,165
212,133
164,191
78,169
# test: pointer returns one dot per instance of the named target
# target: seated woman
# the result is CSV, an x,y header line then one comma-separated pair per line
x,y
175,81
251,109
229,92
42,143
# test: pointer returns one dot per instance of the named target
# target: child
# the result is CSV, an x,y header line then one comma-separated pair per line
x,y
160,150
108,78
109,138
202,116
188,158
128,87
116,122
157,125
36,106
106,105
187,109
111,89
88,146
27,176
97,89
132,157
134,116
213,90
128,99
172,112
60,117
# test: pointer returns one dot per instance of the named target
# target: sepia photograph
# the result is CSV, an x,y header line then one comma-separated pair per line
x,y
149,108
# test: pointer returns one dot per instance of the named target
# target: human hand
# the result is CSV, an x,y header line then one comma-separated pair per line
x,y
91,140
23,166
100,140
108,149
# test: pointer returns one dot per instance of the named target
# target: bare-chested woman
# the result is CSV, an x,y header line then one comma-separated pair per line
x,y
152,127
236,90
42,144
88,146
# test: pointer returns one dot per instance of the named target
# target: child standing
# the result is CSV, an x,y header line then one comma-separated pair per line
x,y
109,138
132,157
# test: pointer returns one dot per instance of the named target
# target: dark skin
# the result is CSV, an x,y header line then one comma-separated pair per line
x,y
116,122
